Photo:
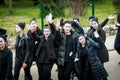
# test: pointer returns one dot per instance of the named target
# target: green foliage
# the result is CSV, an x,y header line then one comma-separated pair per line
x,y
116,3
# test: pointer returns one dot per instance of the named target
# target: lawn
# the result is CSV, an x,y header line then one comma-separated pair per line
x,y
23,13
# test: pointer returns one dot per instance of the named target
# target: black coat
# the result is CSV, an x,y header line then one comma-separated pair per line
x,y
22,49
89,62
32,42
62,46
6,63
103,52
50,48
117,41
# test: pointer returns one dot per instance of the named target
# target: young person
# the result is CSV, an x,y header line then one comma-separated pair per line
x,y
89,67
33,44
6,58
101,53
67,43
117,39
22,59
46,52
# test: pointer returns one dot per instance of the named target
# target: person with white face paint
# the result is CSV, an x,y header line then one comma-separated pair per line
x,y
22,59
67,43
33,44
103,52
88,65
6,58
45,53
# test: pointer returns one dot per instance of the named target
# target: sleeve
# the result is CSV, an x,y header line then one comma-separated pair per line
x,y
98,44
9,65
27,56
52,27
104,23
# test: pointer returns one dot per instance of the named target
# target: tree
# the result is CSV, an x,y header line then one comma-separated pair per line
x,y
116,3
10,7
78,8
2,2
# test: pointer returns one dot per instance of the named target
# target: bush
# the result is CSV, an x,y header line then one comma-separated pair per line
x,y
116,3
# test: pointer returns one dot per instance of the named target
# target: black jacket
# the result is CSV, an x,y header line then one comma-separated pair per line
x,y
33,44
50,48
117,41
6,63
89,62
62,46
103,52
22,49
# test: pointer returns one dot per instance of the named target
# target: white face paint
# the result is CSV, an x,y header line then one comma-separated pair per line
x,y
2,42
82,39
67,27
47,33
94,24
33,24
18,29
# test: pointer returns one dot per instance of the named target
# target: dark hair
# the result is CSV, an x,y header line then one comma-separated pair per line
x,y
21,25
46,26
33,19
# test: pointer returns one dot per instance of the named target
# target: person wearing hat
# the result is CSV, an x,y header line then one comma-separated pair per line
x,y
22,59
104,22
117,39
6,58
103,52
88,65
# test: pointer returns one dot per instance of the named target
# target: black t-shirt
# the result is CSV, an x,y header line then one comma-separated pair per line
x,y
69,48
43,57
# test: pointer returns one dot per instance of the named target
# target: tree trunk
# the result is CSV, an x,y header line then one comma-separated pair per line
x,y
2,2
10,7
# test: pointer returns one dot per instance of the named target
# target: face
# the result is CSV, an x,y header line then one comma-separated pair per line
x,y
2,42
33,24
82,39
47,32
67,27
94,24
18,29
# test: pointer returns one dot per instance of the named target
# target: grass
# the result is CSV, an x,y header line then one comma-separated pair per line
x,y
23,13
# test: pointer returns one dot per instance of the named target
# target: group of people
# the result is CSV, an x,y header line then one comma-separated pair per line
x,y
63,44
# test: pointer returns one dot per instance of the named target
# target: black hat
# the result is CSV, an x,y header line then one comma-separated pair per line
x,y
3,34
21,25
91,17
118,18
95,19
76,19
2,31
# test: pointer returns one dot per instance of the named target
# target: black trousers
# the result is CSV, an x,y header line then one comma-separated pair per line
x,y
64,72
17,68
44,70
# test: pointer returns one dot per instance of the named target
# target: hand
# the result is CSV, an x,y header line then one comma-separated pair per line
x,y
50,18
96,34
32,28
111,17
24,65
76,59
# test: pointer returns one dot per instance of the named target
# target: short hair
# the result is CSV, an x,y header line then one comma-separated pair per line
x,y
46,26
33,19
